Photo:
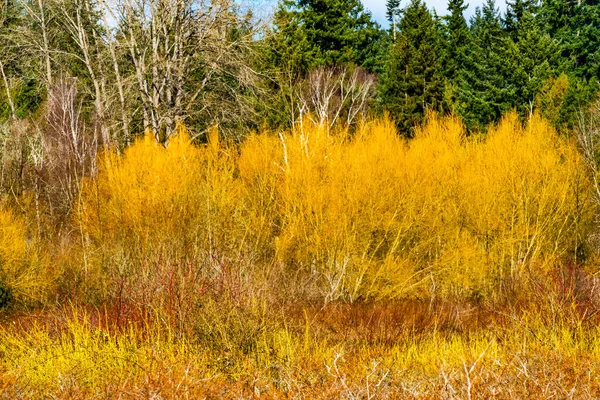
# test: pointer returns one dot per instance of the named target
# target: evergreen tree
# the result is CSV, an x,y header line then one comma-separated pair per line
x,y
458,38
457,45
288,47
486,91
536,59
412,81
575,24
393,14
308,34
585,42
515,11
19,90
327,32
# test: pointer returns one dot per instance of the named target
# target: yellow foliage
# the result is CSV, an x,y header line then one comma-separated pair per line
x,y
13,247
367,215
155,195
330,215
21,271
84,358
551,97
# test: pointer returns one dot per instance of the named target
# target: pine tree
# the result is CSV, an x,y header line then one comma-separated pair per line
x,y
486,91
458,37
536,59
288,46
327,33
393,14
515,11
412,81
585,42
19,91
457,45
574,24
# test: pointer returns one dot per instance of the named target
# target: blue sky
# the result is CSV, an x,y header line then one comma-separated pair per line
x,y
377,7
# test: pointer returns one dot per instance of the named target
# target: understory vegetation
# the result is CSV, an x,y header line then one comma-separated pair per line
x,y
312,263
232,199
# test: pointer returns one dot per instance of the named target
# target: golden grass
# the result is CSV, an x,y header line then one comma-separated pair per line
x,y
80,359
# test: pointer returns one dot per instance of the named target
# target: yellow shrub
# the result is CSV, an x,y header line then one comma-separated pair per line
x,y
376,216
22,274
367,215
155,196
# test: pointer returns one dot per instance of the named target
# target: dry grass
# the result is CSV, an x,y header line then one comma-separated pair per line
x,y
76,356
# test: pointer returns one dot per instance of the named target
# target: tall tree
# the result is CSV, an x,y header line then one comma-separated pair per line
x,y
575,24
393,14
412,81
536,59
515,11
8,18
288,45
585,43
19,89
328,32
486,91
457,45
457,37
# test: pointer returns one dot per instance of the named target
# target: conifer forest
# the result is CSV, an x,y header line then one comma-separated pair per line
x,y
220,199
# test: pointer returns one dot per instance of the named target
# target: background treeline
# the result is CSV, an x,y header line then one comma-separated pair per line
x,y
81,75
138,65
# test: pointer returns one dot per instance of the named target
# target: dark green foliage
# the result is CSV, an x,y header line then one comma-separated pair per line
x,y
312,33
288,46
537,58
457,47
412,82
393,10
486,91
457,38
584,43
574,26
393,14
516,10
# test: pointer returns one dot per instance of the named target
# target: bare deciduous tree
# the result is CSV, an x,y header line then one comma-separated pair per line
x,y
4,55
335,95
157,63
170,42
65,152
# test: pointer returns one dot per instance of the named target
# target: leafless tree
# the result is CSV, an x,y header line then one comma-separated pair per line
x,y
38,40
110,42
63,150
588,137
335,95
76,17
161,62
171,41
